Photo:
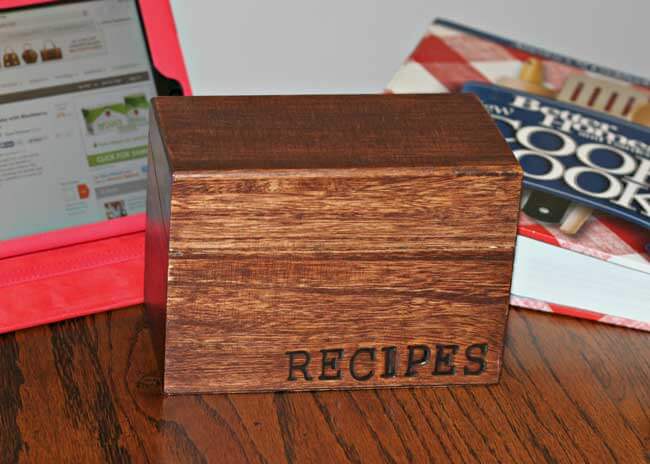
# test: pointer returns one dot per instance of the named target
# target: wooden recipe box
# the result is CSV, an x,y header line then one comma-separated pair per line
x,y
328,242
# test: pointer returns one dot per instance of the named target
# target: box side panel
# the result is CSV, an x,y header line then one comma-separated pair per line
x,y
157,241
402,276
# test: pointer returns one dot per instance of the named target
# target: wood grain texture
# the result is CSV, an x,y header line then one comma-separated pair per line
x,y
157,240
329,242
327,131
572,391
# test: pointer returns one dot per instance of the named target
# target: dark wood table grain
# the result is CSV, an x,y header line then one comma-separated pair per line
x,y
85,391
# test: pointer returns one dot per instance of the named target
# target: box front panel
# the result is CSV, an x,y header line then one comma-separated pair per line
x,y
353,279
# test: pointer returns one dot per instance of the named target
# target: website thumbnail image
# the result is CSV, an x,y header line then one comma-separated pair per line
x,y
128,114
29,42
114,126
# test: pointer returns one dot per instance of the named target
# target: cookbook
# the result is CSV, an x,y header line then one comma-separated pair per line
x,y
580,132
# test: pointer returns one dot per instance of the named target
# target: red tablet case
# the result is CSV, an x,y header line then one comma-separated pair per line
x,y
82,270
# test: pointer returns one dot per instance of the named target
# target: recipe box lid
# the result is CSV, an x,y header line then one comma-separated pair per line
x,y
329,132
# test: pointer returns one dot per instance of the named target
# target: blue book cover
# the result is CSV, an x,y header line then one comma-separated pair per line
x,y
572,156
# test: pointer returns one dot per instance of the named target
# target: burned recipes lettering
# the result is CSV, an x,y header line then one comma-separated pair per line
x,y
365,363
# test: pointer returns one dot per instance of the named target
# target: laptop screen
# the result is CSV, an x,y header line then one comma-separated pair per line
x,y
75,84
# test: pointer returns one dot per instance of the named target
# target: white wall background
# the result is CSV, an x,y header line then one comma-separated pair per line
x,y
355,46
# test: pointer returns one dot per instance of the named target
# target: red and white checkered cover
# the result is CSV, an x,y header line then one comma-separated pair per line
x,y
444,60
539,305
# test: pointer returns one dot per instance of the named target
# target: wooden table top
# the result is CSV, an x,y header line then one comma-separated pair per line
x,y
85,391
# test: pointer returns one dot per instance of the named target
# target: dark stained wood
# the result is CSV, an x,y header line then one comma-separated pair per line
x,y
328,132
307,223
86,391
157,240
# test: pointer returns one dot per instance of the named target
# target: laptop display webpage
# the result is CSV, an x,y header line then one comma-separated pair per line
x,y
75,85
